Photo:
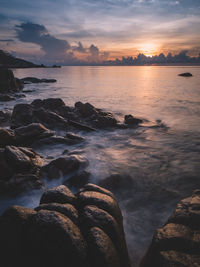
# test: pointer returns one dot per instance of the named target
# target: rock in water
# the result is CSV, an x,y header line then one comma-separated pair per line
x,y
8,83
20,168
185,74
64,231
177,243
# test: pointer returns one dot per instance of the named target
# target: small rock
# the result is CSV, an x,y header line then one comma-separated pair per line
x,y
186,74
130,120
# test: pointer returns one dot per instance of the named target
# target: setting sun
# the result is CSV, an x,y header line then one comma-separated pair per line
x,y
149,49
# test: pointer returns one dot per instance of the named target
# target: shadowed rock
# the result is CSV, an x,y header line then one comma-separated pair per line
x,y
60,232
20,168
185,74
132,121
28,80
63,166
8,83
177,243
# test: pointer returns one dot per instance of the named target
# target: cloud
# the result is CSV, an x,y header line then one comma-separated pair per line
x,y
38,34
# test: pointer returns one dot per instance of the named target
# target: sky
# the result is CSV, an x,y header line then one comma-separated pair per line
x,y
65,31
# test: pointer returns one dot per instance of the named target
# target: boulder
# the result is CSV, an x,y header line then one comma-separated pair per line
x,y
85,109
8,83
66,209
60,232
31,133
49,103
185,74
177,243
63,166
22,115
6,98
132,121
78,180
60,194
19,170
7,137
4,117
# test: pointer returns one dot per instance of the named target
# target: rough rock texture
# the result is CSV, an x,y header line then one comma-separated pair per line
x,y
20,168
53,113
63,166
8,83
65,232
177,243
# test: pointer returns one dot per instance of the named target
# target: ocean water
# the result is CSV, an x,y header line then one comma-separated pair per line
x,y
158,163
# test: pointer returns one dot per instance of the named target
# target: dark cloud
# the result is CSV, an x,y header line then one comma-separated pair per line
x,y
78,34
38,34
6,40
80,48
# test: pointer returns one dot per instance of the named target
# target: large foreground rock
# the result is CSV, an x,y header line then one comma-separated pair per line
x,y
177,243
65,231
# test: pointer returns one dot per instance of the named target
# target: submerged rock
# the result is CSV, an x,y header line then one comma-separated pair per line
x,y
177,243
186,74
63,166
61,232
78,180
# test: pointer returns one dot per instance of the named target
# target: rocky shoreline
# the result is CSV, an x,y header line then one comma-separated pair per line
x,y
83,228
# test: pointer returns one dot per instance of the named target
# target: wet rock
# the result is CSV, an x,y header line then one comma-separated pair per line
x,y
7,137
102,201
177,243
81,126
61,232
78,180
102,249
49,118
4,117
49,103
132,121
21,183
60,194
116,182
185,74
63,166
66,209
6,98
13,229
55,140
75,137
32,132
96,188
106,120
8,83
28,80
19,170
85,109
22,115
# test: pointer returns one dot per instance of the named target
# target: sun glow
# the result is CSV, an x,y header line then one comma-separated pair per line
x,y
149,49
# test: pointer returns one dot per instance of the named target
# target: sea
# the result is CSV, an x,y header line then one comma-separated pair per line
x,y
157,164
